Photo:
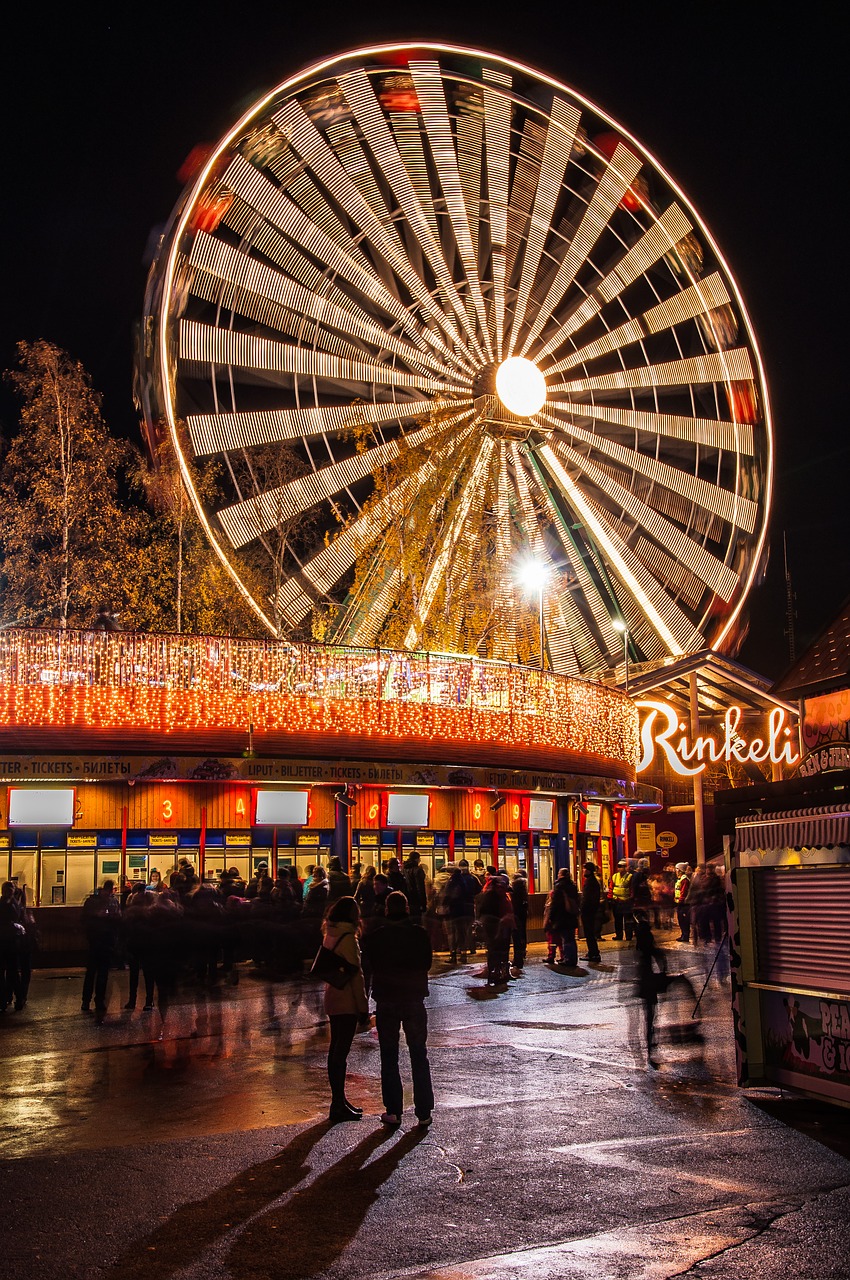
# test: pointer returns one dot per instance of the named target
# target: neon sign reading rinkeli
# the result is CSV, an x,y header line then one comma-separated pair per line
x,y
668,736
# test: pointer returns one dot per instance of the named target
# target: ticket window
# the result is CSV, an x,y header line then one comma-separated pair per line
x,y
216,862
306,858
137,867
367,856
79,877
52,879
23,872
544,876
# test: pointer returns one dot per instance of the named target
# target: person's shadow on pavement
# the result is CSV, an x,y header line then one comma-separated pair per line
x,y
196,1226
305,1236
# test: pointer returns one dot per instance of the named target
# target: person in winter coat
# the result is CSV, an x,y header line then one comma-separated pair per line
x,y
395,877
339,882
399,954
519,936
417,887
346,1005
560,919
496,918
591,893
316,898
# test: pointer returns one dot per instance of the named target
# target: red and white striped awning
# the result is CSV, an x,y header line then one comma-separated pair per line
x,y
795,829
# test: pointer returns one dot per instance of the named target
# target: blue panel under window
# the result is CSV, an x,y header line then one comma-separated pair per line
x,y
136,840
188,839
23,839
215,839
112,839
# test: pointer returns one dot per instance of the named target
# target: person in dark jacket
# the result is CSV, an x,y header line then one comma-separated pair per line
x,y
519,936
560,918
417,887
339,882
399,954
11,939
591,894
395,877
101,921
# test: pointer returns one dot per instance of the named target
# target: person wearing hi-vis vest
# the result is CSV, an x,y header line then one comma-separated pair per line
x,y
621,901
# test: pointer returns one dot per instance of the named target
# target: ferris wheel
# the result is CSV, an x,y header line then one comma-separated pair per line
x,y
425,314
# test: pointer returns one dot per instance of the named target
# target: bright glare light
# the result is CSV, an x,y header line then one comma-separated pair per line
x,y
619,625
533,574
520,386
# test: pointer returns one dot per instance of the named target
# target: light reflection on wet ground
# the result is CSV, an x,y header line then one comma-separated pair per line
x,y
251,1056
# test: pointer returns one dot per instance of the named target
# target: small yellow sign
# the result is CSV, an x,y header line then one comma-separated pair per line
x,y
667,839
168,840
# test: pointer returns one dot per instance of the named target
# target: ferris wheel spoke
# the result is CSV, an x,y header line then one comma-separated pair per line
x,y
435,116
565,628
505,596
560,136
207,344
661,238
706,566
733,437
471,494
285,215
243,521
497,136
246,275
670,622
309,143
330,565
373,124
612,186
728,505
697,300
221,432
600,610
721,366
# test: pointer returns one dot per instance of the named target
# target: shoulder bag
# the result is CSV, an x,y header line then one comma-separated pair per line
x,y
331,967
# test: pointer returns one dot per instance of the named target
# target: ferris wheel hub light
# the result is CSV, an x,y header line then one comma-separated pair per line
x,y
520,386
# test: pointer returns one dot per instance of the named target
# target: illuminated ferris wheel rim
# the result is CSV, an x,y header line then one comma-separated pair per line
x,y
348,58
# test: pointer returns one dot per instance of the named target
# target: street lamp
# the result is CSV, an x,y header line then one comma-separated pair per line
x,y
533,575
619,625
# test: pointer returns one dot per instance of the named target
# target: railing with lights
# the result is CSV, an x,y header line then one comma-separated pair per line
x,y
212,689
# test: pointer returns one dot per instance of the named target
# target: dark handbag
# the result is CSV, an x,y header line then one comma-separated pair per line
x,y
332,968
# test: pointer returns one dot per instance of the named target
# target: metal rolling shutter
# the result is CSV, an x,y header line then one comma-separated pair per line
x,y
803,926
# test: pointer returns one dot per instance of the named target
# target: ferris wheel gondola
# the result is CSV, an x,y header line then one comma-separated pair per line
x,y
328,333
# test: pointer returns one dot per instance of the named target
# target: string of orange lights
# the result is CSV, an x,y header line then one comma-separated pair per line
x,y
267,692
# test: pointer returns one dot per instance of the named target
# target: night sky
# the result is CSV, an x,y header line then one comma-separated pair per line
x,y
745,110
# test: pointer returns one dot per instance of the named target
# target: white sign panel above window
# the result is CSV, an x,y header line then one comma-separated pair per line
x,y
29,808
405,810
282,808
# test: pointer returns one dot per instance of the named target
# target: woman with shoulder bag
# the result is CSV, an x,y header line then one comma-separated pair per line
x,y
344,1005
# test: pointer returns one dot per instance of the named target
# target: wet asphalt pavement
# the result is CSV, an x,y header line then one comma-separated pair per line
x,y
555,1151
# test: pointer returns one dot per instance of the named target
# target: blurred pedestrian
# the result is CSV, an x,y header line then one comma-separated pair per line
x,y
591,894
681,890
560,919
519,935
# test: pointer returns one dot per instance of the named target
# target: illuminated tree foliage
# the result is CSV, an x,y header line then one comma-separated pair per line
x,y
187,587
77,534
442,575
66,540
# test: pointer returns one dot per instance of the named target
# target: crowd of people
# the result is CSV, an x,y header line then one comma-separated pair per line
x,y
384,923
